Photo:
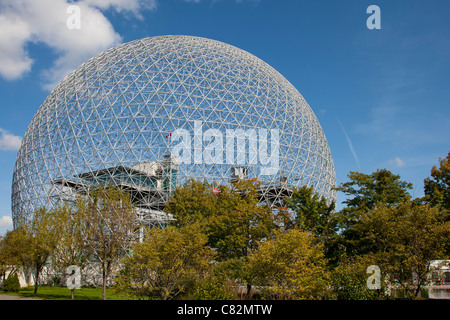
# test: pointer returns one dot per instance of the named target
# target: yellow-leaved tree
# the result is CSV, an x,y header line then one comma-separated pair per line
x,y
290,266
165,263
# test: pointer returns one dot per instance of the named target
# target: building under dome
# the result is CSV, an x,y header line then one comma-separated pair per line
x,y
147,115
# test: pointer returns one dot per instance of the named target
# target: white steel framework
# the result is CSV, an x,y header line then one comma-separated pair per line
x,y
118,117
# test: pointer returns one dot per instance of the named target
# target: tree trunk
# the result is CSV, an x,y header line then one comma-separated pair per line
x,y
104,284
418,293
249,289
36,277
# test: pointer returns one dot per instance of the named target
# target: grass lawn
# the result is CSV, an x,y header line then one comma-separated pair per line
x,y
63,293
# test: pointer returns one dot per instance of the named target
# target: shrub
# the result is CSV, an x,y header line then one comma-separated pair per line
x,y
11,283
213,288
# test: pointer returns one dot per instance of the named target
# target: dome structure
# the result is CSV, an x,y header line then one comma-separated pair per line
x,y
147,115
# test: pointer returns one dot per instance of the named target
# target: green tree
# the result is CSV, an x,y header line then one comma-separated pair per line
x,y
364,192
193,202
290,266
437,187
12,253
234,273
107,219
42,235
165,263
306,210
233,219
70,249
404,239
349,279
212,287
11,284
241,223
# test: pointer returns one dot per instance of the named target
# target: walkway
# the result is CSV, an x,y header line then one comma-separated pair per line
x,y
8,297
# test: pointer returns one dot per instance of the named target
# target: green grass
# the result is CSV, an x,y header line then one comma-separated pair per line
x,y
63,293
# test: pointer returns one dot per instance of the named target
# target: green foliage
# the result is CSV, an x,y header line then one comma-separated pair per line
x,y
290,266
366,190
13,248
165,263
233,219
306,210
213,288
405,239
41,234
233,269
402,240
223,241
349,280
309,212
106,219
437,187
11,284
70,249
192,202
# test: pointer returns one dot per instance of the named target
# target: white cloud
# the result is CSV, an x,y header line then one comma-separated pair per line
x,y
29,21
9,141
397,161
14,60
6,221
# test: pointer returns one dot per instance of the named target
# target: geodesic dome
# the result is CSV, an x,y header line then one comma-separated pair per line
x,y
149,114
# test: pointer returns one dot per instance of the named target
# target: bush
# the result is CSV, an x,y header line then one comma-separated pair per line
x,y
213,288
349,280
11,283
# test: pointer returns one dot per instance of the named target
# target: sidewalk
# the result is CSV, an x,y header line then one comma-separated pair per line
x,y
8,297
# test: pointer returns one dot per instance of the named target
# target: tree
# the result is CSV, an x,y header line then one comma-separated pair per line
x,y
404,239
12,251
349,279
165,263
193,202
11,284
107,220
364,192
306,210
233,219
42,235
437,187
212,287
290,266
229,275
241,223
70,249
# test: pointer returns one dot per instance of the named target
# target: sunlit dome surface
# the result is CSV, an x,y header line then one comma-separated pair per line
x,y
149,114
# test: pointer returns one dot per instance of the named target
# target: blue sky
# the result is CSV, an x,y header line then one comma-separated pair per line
x,y
382,95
